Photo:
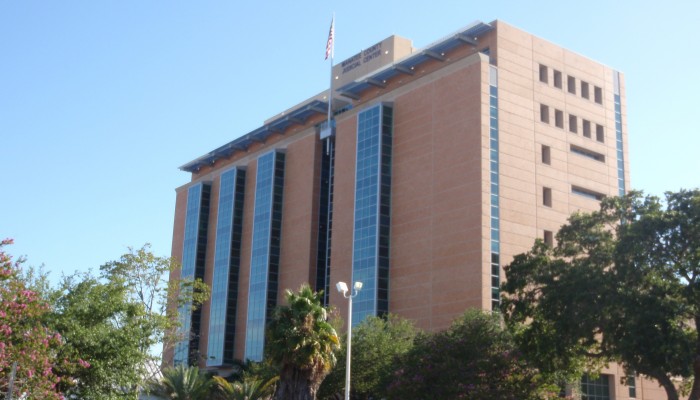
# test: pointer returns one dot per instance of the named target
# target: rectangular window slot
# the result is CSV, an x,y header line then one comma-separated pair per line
x,y
599,133
557,78
571,84
559,118
598,94
544,113
549,238
591,194
584,90
632,386
546,155
573,124
547,196
587,153
544,74
586,128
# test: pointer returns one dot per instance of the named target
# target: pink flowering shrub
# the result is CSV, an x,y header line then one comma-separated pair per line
x,y
24,339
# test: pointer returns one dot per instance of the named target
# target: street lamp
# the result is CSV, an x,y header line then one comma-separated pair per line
x,y
343,288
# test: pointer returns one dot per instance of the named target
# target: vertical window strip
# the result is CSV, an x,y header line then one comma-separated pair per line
x,y
264,259
325,218
224,294
370,262
495,224
618,136
193,259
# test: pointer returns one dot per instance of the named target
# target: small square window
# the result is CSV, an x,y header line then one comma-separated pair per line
x,y
586,128
571,84
549,238
544,113
546,155
599,133
584,90
557,78
573,124
544,74
598,93
547,196
559,118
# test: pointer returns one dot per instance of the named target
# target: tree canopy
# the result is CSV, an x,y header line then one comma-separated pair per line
x,y
28,346
622,284
103,327
476,359
376,344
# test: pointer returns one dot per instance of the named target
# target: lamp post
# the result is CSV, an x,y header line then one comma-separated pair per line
x,y
343,288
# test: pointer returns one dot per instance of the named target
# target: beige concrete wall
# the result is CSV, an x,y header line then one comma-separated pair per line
x,y
299,216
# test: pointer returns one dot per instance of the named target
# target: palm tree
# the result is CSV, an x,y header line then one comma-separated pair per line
x,y
302,343
248,388
182,383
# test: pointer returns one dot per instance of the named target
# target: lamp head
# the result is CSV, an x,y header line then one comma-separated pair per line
x,y
342,287
358,286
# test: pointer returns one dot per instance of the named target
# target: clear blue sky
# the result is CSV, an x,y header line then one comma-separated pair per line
x,y
102,101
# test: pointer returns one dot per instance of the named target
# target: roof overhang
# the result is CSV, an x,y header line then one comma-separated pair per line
x,y
298,116
467,36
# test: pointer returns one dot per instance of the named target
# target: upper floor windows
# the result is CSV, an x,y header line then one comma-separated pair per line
x,y
544,113
584,90
544,74
557,78
573,85
546,197
598,94
546,155
573,123
559,118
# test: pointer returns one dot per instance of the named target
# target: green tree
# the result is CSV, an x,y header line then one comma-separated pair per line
x,y
249,387
302,343
25,341
153,282
622,284
102,326
376,343
476,358
182,383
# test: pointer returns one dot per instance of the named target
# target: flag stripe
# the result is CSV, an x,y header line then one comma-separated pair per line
x,y
329,44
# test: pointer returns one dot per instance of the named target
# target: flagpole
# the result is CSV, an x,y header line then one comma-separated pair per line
x,y
331,38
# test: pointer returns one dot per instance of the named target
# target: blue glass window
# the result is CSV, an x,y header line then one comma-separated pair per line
x,y
372,212
193,258
224,291
620,151
595,389
264,259
495,223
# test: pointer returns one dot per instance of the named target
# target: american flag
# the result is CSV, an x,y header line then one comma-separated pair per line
x,y
329,44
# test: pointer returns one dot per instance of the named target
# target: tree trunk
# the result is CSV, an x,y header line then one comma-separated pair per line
x,y
667,384
295,384
695,391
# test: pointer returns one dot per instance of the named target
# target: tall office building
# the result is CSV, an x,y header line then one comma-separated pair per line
x,y
439,166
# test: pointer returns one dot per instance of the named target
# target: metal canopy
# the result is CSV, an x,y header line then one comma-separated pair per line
x,y
437,51
298,116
